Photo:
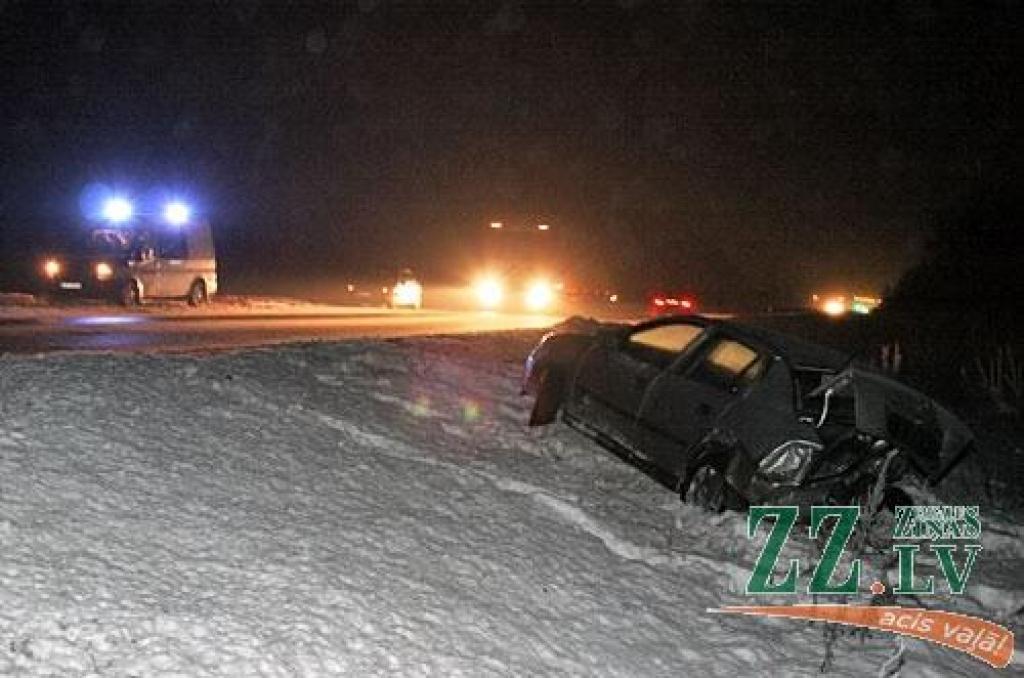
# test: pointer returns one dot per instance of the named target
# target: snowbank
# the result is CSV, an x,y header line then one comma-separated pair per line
x,y
368,508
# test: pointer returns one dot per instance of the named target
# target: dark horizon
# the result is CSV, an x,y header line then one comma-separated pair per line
x,y
750,152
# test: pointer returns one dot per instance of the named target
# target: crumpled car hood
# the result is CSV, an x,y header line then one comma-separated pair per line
x,y
884,408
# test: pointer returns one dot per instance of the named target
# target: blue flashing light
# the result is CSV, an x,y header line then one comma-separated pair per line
x,y
176,213
117,210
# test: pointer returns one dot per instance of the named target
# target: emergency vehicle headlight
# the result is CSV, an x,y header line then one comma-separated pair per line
x,y
104,271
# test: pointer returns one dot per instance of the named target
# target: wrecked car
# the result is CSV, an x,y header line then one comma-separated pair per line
x,y
730,415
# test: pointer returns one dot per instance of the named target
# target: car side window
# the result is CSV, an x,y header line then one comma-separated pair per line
x,y
171,245
661,345
728,364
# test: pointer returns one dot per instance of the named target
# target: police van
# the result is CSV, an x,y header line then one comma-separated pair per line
x,y
134,259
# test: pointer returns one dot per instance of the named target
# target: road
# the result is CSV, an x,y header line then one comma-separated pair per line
x,y
114,330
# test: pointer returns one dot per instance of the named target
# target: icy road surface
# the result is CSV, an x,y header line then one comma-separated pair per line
x,y
370,508
229,324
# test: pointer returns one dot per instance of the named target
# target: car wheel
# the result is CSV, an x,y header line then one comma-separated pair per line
x,y
707,488
130,294
197,293
550,391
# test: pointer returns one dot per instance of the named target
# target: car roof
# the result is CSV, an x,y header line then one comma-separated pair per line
x,y
798,352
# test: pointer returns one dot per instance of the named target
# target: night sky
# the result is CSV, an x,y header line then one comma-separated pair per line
x,y
749,151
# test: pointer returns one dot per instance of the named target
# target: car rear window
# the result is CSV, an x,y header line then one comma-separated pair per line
x,y
673,338
200,242
171,245
661,344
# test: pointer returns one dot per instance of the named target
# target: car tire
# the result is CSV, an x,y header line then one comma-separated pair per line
x,y
550,392
197,294
130,295
706,487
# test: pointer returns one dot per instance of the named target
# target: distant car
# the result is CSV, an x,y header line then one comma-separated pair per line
x,y
136,262
841,304
517,290
407,292
660,303
364,293
730,415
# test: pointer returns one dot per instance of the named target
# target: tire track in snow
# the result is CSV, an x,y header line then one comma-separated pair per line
x,y
986,598
627,550
562,507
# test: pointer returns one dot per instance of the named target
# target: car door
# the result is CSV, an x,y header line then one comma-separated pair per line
x,y
614,375
142,262
143,268
173,277
683,404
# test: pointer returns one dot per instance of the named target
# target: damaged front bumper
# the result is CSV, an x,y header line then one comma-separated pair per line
x,y
932,438
863,419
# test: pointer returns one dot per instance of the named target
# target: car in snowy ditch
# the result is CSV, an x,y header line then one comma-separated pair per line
x,y
730,415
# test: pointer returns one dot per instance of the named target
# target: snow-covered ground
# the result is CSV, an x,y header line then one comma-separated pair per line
x,y
372,508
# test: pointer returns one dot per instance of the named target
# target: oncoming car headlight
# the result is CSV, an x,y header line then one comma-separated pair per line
x,y
788,463
489,292
104,271
539,295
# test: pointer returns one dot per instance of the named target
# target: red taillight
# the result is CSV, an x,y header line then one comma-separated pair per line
x,y
686,303
658,301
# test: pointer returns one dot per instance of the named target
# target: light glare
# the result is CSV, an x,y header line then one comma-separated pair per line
x,y
834,307
489,291
117,210
539,295
408,293
176,213
104,271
